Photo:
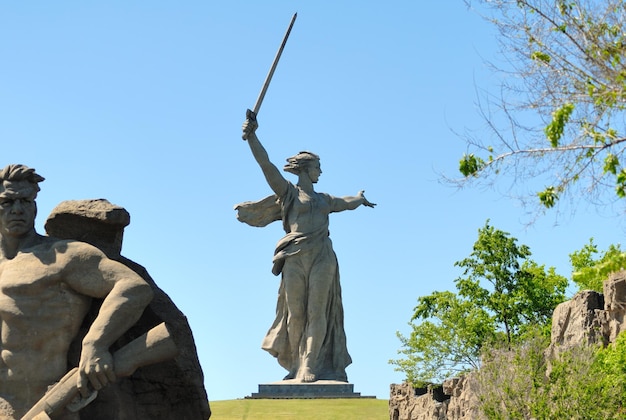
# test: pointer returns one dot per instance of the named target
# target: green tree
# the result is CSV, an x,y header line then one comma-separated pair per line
x,y
447,335
499,295
588,272
559,120
499,277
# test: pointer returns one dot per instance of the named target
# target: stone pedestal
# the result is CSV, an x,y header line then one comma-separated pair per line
x,y
293,390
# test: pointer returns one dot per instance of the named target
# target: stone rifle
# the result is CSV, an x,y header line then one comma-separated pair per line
x,y
154,346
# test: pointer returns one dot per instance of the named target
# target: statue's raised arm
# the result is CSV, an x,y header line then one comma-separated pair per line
x,y
274,178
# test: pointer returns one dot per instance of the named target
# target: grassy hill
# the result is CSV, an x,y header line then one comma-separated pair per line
x,y
320,409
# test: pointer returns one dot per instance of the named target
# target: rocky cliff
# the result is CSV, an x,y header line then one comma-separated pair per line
x,y
589,317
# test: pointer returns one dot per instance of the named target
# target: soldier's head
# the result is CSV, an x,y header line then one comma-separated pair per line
x,y
19,186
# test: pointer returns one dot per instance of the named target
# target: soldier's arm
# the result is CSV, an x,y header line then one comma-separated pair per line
x,y
125,295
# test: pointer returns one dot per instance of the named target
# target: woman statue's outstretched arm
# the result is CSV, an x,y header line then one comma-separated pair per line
x,y
274,178
349,202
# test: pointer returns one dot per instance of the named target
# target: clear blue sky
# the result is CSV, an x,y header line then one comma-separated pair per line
x,y
142,103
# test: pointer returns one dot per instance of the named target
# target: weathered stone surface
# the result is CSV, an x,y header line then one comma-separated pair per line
x,y
454,400
576,322
97,222
408,403
463,403
615,305
590,317
168,390
292,389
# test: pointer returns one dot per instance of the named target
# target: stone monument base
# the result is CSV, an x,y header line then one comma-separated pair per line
x,y
290,389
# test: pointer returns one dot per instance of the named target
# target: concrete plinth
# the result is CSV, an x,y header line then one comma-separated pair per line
x,y
319,389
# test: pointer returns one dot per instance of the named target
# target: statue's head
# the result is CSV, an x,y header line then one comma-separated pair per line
x,y
20,175
301,162
304,162
19,186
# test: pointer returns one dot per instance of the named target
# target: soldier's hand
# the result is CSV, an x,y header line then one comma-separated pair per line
x,y
96,369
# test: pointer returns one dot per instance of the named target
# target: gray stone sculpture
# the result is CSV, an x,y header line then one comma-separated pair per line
x,y
308,336
163,391
46,289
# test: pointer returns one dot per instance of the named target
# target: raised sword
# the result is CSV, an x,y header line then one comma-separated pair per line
x,y
252,113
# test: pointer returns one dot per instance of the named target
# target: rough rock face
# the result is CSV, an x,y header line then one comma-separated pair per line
x,y
96,222
463,400
408,403
576,322
169,390
588,318
615,305
455,399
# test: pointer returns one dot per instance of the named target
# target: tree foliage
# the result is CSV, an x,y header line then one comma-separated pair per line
x,y
500,294
611,363
499,277
560,117
589,272
447,341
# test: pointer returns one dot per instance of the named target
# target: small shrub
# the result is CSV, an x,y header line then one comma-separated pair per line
x,y
584,383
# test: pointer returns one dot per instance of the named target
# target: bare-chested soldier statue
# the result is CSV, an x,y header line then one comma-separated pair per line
x,y
46,288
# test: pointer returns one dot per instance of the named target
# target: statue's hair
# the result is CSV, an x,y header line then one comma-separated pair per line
x,y
302,160
19,172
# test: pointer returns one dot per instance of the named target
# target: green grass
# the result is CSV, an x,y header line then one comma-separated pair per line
x,y
305,409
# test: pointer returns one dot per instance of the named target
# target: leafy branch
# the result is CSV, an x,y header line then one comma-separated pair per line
x,y
560,118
